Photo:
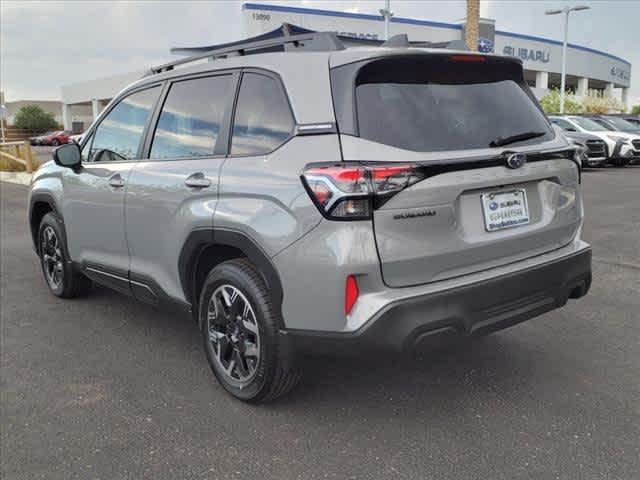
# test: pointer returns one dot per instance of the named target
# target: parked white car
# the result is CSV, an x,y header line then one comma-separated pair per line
x,y
620,149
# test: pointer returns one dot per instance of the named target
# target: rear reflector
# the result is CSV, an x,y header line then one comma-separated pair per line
x,y
351,293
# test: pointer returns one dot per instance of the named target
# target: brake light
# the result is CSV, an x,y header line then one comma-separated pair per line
x,y
351,293
467,58
352,191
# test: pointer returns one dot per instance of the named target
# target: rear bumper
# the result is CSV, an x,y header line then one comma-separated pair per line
x,y
470,310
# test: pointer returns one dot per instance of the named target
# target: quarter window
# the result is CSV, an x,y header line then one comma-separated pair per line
x,y
118,135
190,121
263,119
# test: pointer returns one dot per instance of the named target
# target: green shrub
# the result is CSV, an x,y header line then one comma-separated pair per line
x,y
32,117
551,102
635,110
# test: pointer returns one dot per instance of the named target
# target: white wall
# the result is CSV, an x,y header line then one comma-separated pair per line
x,y
101,88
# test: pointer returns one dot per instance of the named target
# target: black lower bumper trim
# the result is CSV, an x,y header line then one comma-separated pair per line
x,y
471,310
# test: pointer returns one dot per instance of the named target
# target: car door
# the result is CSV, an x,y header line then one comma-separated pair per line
x,y
93,203
174,190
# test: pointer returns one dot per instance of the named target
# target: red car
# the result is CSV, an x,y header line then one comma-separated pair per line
x,y
52,138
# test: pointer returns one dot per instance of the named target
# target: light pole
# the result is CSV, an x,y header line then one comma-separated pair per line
x,y
566,11
387,14
3,112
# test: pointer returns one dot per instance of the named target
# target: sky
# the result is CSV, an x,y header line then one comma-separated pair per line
x,y
47,44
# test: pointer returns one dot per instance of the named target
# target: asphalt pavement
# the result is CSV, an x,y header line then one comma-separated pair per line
x,y
108,388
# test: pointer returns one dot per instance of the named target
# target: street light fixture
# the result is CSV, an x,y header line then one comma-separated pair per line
x,y
566,11
386,14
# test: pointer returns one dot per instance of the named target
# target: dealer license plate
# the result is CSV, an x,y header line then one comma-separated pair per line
x,y
505,209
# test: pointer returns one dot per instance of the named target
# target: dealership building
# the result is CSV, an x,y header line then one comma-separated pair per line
x,y
587,69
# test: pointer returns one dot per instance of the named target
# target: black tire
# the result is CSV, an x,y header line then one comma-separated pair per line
x,y
55,142
274,373
71,284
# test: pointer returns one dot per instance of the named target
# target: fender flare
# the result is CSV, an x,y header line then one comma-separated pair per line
x,y
44,197
202,238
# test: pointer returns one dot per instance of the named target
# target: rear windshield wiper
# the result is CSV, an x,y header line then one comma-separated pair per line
x,y
500,141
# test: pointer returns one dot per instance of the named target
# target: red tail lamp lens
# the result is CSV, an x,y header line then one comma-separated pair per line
x,y
350,191
351,294
467,58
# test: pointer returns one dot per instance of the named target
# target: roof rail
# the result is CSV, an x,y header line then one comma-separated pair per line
x,y
313,41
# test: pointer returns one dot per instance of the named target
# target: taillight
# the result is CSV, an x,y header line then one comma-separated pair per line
x,y
467,58
352,191
351,293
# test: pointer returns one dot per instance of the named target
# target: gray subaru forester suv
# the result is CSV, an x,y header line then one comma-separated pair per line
x,y
386,197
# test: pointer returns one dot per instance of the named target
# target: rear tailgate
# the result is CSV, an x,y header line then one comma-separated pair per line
x,y
437,229
452,119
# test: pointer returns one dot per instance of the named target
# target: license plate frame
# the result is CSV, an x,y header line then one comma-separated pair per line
x,y
505,209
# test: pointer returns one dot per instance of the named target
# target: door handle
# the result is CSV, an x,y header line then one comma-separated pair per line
x,y
116,181
197,180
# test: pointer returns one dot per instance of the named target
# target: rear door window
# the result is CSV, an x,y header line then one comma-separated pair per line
x,y
263,119
191,117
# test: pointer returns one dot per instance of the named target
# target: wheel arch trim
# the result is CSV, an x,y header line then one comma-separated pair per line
x,y
202,238
48,198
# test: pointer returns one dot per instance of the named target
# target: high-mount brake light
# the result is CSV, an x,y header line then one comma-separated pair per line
x,y
352,191
467,58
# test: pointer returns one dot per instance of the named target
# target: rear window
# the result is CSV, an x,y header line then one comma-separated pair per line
x,y
434,104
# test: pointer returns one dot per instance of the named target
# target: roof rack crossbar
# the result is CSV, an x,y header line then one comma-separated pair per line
x,y
315,41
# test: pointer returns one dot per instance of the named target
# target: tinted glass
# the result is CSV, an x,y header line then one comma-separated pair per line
x,y
263,120
118,135
622,124
604,124
589,124
563,124
87,148
433,116
191,117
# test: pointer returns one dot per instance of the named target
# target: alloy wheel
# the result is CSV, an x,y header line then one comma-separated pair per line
x,y
234,335
52,259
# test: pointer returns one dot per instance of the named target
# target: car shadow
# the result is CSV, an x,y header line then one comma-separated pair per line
x,y
500,362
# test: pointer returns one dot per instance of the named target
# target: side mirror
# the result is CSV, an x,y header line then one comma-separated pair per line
x,y
68,155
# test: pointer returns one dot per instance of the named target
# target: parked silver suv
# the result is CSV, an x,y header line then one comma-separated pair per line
x,y
319,196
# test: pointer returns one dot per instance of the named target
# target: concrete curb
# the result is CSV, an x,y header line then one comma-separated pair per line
x,y
21,178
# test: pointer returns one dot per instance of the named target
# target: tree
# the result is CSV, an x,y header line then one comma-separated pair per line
x,y
635,110
551,102
601,104
32,117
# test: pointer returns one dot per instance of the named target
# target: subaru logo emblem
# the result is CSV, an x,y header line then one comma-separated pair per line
x,y
485,45
516,160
